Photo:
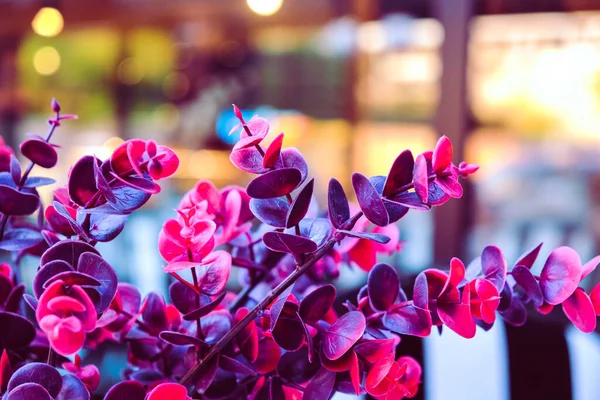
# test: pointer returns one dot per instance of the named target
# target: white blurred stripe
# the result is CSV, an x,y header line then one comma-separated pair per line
x,y
584,355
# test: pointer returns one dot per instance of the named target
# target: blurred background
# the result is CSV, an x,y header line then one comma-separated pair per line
x,y
515,84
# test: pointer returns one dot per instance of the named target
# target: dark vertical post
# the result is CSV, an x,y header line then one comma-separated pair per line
x,y
9,108
452,120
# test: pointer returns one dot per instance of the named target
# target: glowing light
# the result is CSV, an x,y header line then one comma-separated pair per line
x,y
48,22
130,71
112,143
265,7
46,60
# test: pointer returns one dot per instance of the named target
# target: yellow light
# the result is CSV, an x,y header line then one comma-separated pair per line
x,y
265,7
46,60
48,22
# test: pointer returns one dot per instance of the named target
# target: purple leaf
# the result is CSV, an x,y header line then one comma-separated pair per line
x,y
420,178
286,243
293,366
215,325
17,239
101,182
204,310
408,200
299,206
436,195
183,298
339,210
528,258
126,390
273,152
278,305
126,198
28,391
15,169
456,315
16,333
274,183
181,339
270,211
31,301
321,386
515,314
317,303
82,185
37,181
505,297
343,334
106,227
375,237
561,275
71,278
13,301
373,350
75,227
235,366
316,229
368,199
248,160
68,251
450,186
400,174
73,388
39,152
493,266
42,374
95,266
408,320
154,313
45,273
13,202
580,311
529,284
384,286
292,158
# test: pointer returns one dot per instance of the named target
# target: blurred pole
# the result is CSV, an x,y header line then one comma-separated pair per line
x,y
9,103
451,220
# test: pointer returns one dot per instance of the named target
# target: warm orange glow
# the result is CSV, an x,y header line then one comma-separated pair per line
x,y
46,60
265,7
48,22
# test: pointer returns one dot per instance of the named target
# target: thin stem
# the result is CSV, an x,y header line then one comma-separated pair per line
x,y
4,221
51,357
286,283
195,279
186,283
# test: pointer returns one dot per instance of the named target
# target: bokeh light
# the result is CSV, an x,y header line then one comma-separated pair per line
x,y
265,7
48,22
46,60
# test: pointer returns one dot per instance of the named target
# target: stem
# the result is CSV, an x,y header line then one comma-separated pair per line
x,y
195,279
51,357
186,283
286,283
5,217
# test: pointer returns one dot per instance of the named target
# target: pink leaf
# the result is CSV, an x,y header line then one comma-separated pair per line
x,y
580,311
420,178
561,275
442,155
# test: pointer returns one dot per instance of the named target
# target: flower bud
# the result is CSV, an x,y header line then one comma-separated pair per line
x,y
55,105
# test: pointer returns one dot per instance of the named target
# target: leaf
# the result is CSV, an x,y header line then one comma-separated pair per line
x,y
374,349
271,211
95,266
233,365
375,237
368,199
71,278
561,275
515,314
82,185
337,203
590,266
299,206
42,374
68,251
126,198
181,339
595,298
15,169
528,258
493,266
321,386
529,284
268,356
273,152
60,209
14,202
383,285
101,182
17,239
126,390
16,333
400,174
154,313
37,181
580,311
421,179
343,334
274,183
292,158
317,303
48,271
248,160
28,391
408,200
278,305
286,243
294,366
73,388
316,229
39,152
408,320
204,310
106,227
442,155
214,272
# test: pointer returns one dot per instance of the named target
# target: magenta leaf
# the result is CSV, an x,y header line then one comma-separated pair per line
x,y
271,211
343,334
529,284
589,267
39,152
82,183
288,331
73,388
442,155
528,258
299,206
420,177
375,237
286,243
493,266
13,202
400,174
248,160
204,310
369,200
408,320
42,374
95,266
321,386
126,390
273,151
274,183
214,272
375,349
317,303
339,210
595,298
579,309
278,304
383,285
561,275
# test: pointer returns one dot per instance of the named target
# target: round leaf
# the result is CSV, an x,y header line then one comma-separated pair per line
x,y
384,286
13,202
561,275
95,266
286,243
271,211
317,303
299,206
274,183
337,203
40,373
400,174
342,335
580,311
39,152
369,200
126,390
17,332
